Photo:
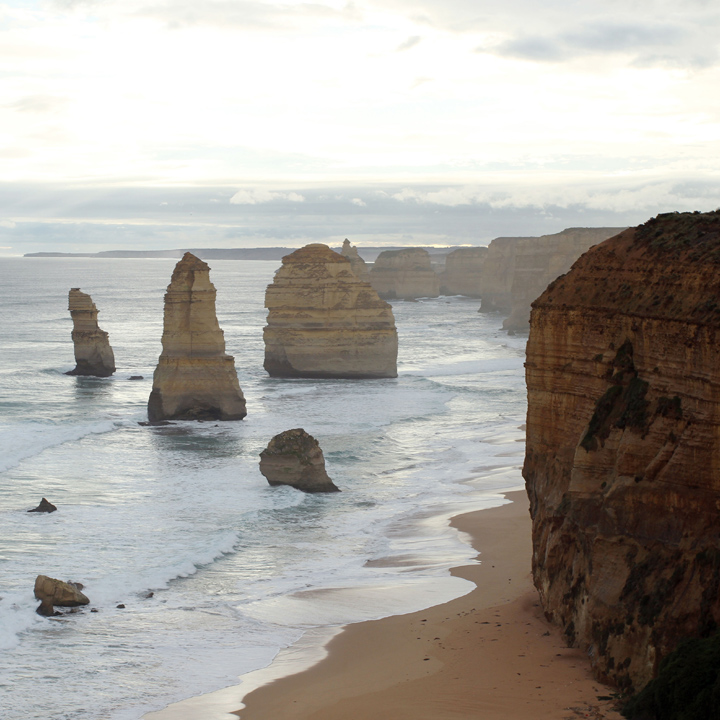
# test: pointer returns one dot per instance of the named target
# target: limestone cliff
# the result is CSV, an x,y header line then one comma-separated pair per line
x,y
195,379
356,262
404,274
463,272
325,322
93,354
496,275
538,261
623,444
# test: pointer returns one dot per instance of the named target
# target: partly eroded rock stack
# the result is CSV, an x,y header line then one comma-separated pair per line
x,y
463,272
623,444
93,354
324,322
404,274
195,379
356,262
294,458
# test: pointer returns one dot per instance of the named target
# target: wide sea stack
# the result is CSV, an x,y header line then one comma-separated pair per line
x,y
463,272
93,354
623,445
195,379
324,322
404,274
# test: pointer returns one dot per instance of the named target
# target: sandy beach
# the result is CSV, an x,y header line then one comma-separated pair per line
x,y
490,654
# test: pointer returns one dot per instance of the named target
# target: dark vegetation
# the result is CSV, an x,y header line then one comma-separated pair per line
x,y
693,233
687,686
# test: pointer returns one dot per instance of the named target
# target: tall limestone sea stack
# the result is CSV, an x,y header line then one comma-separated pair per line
x,y
404,274
324,322
195,379
623,445
93,354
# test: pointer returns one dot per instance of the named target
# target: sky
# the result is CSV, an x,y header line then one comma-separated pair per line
x,y
238,123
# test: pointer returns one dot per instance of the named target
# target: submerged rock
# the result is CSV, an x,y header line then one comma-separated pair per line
x,y
294,458
623,447
404,274
93,354
323,322
195,379
52,592
44,507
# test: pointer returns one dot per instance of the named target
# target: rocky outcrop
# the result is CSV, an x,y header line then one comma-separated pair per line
x,y
538,261
93,354
323,322
52,593
195,379
45,506
404,274
356,262
294,458
623,445
496,277
463,272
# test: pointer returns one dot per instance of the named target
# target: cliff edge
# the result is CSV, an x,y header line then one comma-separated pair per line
x,y
623,445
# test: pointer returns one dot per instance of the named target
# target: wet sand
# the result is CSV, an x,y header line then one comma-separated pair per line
x,y
489,655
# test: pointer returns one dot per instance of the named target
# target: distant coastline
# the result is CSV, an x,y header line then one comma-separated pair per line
x,y
271,253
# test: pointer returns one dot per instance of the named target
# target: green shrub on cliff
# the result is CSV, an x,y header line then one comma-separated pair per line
x,y
687,686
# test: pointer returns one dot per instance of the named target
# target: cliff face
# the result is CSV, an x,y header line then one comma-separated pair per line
x,y
194,378
404,274
623,444
538,261
496,278
463,272
325,322
356,262
93,354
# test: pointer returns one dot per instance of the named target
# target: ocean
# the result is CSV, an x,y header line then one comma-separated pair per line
x,y
216,570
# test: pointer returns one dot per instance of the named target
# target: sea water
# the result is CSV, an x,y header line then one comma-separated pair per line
x,y
216,570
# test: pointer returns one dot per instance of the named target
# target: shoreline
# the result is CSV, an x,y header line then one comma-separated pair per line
x,y
489,653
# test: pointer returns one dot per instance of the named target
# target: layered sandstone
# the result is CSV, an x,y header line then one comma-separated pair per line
x,y
356,262
538,261
93,354
496,275
404,274
463,272
324,322
623,444
294,458
195,379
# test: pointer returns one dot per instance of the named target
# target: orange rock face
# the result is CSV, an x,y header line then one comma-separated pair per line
x,y
623,444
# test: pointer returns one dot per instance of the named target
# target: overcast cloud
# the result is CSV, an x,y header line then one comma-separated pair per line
x,y
451,115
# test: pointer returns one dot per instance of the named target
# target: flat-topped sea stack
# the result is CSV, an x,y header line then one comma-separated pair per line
x,y
356,262
538,261
623,445
463,272
294,458
324,322
404,274
496,275
195,379
93,354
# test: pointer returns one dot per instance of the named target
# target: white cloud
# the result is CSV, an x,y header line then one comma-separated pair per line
x,y
260,195
359,202
7,224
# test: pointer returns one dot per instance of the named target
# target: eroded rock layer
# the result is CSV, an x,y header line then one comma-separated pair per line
x,y
93,354
325,322
623,445
195,379
463,272
404,274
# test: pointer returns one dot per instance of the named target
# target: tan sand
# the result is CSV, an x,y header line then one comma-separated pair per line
x,y
489,655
